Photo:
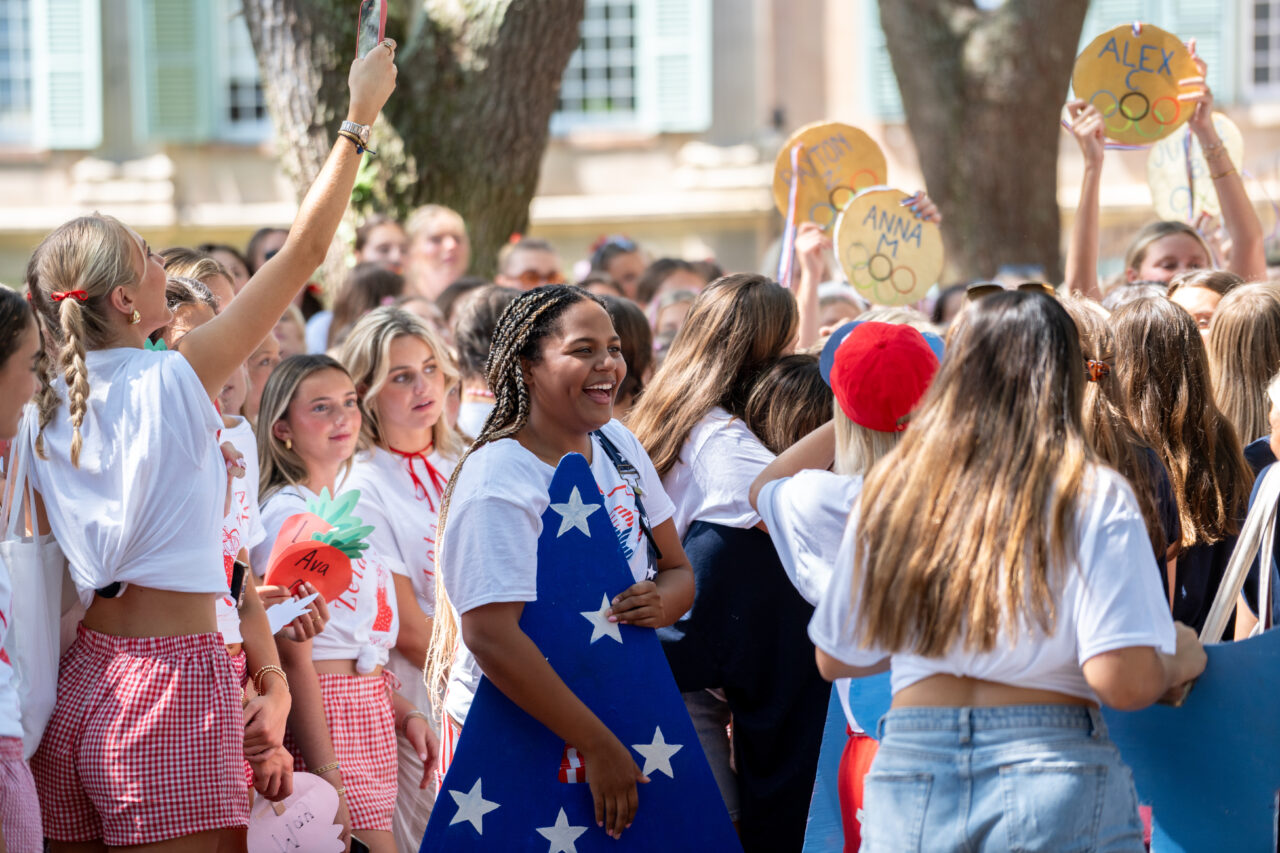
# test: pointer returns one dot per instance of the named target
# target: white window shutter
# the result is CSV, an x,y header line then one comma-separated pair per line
x,y
173,94
674,73
1105,15
882,91
66,73
1213,26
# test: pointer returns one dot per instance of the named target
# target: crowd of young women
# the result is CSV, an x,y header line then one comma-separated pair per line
x,y
1022,516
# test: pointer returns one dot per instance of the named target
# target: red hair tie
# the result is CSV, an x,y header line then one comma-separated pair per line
x,y
77,295
1097,369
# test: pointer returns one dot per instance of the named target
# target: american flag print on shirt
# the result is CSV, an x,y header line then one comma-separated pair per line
x,y
504,788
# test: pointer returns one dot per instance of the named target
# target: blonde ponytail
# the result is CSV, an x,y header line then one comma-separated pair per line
x,y
80,262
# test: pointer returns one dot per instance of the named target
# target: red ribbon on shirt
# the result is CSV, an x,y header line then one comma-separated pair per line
x,y
438,480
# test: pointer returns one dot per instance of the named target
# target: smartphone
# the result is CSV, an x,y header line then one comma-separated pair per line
x,y
237,582
372,26
358,846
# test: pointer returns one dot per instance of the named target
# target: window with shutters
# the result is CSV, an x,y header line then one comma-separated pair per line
x,y
1264,58
16,119
640,65
239,100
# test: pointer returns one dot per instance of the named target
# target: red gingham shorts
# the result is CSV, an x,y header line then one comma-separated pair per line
x,y
363,727
146,742
19,808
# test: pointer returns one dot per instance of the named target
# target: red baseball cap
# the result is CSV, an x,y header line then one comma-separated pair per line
x,y
879,373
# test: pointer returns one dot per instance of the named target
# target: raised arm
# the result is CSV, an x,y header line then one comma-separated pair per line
x,y
1082,255
1248,255
220,346
817,450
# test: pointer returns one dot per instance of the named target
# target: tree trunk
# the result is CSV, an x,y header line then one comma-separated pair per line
x,y
982,92
468,122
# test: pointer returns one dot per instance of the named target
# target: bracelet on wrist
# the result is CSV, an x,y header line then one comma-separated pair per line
x,y
261,674
404,724
1213,149
332,765
355,140
1223,173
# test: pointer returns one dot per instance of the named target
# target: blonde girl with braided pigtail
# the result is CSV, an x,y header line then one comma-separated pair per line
x,y
554,370
145,745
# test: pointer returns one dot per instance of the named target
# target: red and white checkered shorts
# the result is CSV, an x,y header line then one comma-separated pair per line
x,y
19,807
362,724
146,742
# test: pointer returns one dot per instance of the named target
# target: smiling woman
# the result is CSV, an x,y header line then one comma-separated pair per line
x,y
554,369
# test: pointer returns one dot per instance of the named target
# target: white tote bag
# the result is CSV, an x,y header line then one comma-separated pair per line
x,y
36,571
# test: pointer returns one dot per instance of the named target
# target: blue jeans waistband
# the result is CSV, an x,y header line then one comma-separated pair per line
x,y
965,721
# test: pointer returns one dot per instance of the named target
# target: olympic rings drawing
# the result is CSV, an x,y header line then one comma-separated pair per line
x,y
879,271
830,208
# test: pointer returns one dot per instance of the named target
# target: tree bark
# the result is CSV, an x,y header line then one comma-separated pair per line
x,y
983,90
468,122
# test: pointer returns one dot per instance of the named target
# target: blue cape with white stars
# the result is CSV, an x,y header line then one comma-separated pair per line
x,y
503,790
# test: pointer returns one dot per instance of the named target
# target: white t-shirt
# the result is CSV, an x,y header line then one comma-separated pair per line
x,y
10,708
1111,600
363,621
403,513
242,526
146,504
317,333
806,516
711,479
495,518
471,416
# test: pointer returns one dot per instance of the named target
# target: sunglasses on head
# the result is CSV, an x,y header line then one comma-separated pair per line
x,y
530,279
974,292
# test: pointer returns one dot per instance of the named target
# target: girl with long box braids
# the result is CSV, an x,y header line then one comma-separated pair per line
x,y
144,748
554,369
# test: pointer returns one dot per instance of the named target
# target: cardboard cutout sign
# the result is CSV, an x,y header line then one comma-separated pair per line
x,y
513,784
1171,194
838,162
825,830
1131,75
316,546
304,822
891,257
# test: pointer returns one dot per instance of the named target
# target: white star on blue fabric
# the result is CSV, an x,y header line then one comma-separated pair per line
x,y
657,755
472,807
600,624
574,514
562,836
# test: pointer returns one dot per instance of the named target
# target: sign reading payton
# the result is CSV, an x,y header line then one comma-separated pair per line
x,y
889,255
1182,190
1132,75
837,161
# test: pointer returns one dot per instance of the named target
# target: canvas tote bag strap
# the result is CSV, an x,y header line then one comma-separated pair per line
x,y
16,481
1260,521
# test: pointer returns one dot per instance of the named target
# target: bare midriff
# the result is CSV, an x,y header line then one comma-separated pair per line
x,y
142,611
344,667
953,691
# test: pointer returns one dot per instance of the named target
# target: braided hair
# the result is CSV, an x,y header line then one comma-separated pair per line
x,y
525,323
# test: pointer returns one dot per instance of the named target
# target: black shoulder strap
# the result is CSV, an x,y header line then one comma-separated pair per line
x,y
629,473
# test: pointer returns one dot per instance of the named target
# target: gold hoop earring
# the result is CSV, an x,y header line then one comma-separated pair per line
x,y
288,444
135,318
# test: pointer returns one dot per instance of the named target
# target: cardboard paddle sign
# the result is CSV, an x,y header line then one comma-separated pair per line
x,y
1133,75
303,821
836,163
1179,176
889,255
317,546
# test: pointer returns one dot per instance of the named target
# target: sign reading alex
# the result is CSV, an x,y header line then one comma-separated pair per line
x,y
1133,74
889,255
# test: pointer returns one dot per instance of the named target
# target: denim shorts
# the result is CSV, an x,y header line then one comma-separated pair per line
x,y
1025,777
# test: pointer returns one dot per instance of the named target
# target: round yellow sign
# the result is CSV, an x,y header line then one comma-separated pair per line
x,y
891,257
1132,78
836,163
1172,194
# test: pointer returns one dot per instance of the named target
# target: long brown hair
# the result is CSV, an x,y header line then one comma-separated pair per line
x,y
1168,396
524,324
737,327
1106,426
967,526
1244,354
